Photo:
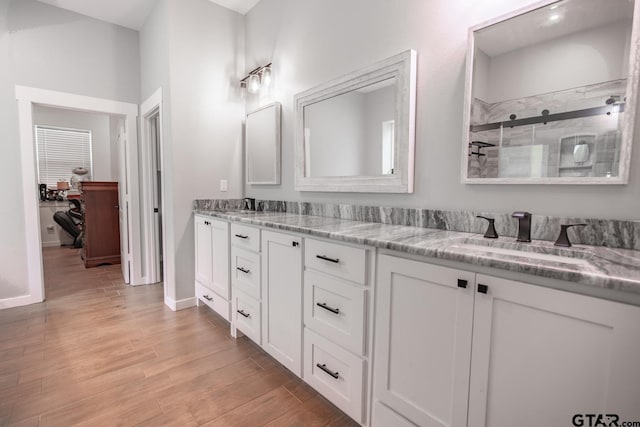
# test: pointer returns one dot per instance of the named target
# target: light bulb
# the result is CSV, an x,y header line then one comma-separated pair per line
x,y
254,83
266,76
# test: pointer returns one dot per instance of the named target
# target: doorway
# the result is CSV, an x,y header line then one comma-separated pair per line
x,y
28,98
152,185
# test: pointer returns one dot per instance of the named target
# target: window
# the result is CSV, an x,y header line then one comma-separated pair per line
x,y
388,136
61,150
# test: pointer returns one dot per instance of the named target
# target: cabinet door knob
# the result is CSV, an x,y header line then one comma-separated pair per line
x,y
462,283
482,288
326,258
326,307
324,368
241,312
295,244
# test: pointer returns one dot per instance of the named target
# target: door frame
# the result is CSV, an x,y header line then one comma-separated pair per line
x,y
147,109
27,97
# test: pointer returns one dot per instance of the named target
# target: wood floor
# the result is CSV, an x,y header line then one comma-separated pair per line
x,y
100,353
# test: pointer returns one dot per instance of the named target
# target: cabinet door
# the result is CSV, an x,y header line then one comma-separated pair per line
x,y
282,299
220,258
423,341
203,250
541,356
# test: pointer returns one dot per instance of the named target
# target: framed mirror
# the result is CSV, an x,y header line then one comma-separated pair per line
x,y
356,133
262,145
551,94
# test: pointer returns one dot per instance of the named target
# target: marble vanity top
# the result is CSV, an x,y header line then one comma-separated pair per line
x,y
599,267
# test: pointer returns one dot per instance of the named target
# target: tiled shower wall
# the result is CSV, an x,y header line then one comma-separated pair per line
x,y
553,142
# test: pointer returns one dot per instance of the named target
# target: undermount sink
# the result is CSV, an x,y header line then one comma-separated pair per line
x,y
533,252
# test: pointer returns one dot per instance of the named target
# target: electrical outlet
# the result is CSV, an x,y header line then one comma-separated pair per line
x,y
50,229
223,185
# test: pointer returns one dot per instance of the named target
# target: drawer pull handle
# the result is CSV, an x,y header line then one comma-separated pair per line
x,y
328,371
244,270
243,313
326,258
242,236
326,307
207,297
207,223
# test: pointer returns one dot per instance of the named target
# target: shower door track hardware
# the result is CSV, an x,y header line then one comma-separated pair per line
x,y
587,112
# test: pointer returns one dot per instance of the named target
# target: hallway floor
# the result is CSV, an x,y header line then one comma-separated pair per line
x,y
101,353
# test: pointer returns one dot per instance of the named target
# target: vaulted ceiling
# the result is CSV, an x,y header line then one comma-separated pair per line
x,y
131,13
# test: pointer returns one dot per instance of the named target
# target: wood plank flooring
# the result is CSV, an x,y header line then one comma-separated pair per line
x,y
101,353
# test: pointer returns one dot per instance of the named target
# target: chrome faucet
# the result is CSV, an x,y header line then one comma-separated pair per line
x,y
524,226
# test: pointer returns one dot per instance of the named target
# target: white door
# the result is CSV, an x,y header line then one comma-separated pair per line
x,y
542,357
423,341
123,196
156,179
282,299
203,251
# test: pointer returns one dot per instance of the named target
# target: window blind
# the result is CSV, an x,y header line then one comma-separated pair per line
x,y
61,150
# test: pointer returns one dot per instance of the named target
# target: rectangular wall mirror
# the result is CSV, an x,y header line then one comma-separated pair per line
x,y
262,145
356,133
551,95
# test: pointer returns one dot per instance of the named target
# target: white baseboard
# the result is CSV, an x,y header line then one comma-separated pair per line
x,y
18,301
180,304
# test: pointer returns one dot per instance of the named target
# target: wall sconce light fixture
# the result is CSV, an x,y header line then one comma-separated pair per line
x,y
261,76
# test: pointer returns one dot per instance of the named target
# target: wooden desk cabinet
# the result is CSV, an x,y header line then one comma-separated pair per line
x,y
101,223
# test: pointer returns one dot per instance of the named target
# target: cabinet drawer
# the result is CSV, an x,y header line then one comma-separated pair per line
x,y
246,237
246,315
340,260
245,272
334,372
213,300
335,309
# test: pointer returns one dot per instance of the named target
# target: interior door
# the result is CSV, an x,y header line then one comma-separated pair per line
x,y
154,130
123,201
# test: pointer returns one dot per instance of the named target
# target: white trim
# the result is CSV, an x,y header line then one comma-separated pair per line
x,y
50,98
18,301
27,97
180,304
153,103
31,206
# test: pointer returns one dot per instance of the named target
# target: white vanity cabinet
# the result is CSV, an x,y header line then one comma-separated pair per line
x,y
282,299
424,316
246,307
212,264
540,356
336,303
455,348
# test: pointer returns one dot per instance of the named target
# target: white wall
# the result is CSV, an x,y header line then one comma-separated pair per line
x,y
203,141
579,59
98,124
380,107
13,264
337,135
313,41
50,48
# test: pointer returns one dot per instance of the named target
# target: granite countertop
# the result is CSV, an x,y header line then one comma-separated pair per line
x,y
600,267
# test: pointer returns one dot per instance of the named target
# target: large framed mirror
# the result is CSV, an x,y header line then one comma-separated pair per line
x,y
262,145
356,133
551,94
